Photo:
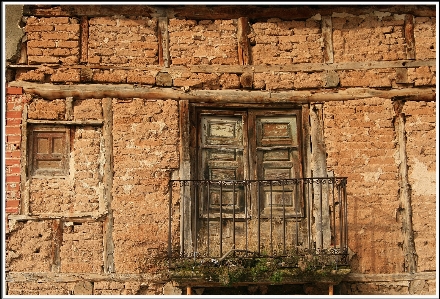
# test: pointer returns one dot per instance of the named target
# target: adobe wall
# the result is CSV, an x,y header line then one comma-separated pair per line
x,y
120,82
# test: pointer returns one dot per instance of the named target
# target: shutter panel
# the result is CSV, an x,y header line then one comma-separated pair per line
x,y
277,154
50,149
222,152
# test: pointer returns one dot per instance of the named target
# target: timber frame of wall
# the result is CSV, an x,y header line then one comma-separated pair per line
x,y
403,91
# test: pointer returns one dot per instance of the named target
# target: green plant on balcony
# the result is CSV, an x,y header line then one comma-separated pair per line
x,y
272,270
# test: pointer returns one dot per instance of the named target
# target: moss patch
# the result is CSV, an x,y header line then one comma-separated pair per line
x,y
262,270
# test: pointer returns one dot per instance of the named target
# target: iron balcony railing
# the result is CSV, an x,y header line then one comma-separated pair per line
x,y
217,218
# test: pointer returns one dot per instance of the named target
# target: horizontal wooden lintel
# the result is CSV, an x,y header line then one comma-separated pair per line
x,y
212,12
359,277
66,122
127,91
72,277
239,69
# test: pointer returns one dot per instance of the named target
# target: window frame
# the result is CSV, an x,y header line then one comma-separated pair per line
x,y
51,132
196,109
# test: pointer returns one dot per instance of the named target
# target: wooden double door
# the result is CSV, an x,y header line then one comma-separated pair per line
x,y
246,160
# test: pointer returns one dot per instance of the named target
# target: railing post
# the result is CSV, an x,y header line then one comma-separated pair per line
x,y
320,231
207,220
295,190
182,220
221,218
233,215
258,216
344,188
246,194
271,219
194,224
170,203
284,218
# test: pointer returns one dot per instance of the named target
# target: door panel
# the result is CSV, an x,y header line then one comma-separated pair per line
x,y
277,158
222,159
272,139
245,149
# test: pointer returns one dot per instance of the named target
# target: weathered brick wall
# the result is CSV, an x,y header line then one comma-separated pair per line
x,y
360,142
203,42
145,149
360,137
424,33
82,248
40,289
368,38
13,114
35,254
415,287
123,41
280,42
82,192
52,40
421,149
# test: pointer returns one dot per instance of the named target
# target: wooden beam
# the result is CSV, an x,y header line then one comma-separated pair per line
x,y
311,67
121,91
164,54
72,277
84,39
106,204
327,35
239,69
243,41
402,76
360,277
409,37
57,240
318,165
212,12
87,10
25,179
405,213
65,122
69,108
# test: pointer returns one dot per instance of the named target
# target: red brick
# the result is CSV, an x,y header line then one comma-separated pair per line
x,y
13,130
13,114
67,44
12,179
13,121
12,154
14,106
13,194
14,90
53,20
13,187
12,203
13,139
43,59
16,99
32,28
11,210
13,170
9,162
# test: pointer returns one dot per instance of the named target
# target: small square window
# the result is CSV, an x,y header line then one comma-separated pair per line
x,y
49,150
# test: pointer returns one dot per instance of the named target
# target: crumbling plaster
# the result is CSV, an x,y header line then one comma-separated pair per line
x,y
13,31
